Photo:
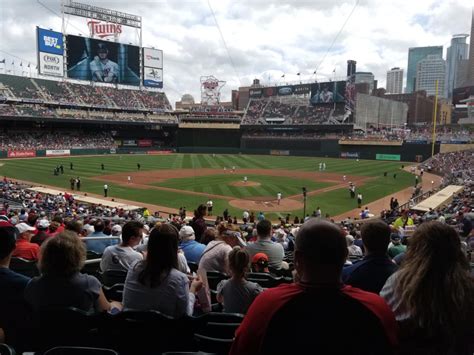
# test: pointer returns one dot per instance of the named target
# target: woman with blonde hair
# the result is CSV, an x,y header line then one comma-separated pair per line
x,y
236,293
215,256
61,283
432,294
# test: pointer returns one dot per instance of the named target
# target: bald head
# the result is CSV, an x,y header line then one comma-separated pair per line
x,y
320,245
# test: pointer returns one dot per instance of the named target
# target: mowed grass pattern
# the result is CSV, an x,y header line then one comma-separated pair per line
x,y
334,202
222,185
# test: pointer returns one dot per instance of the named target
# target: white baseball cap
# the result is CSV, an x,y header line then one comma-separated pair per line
x,y
23,227
186,232
43,223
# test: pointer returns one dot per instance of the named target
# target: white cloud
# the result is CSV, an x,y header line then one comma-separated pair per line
x,y
265,38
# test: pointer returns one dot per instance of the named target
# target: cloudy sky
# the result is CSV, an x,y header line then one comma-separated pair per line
x,y
260,38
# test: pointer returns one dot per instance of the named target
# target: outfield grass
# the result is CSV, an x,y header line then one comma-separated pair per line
x,y
332,202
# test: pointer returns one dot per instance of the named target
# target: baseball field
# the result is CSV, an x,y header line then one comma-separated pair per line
x,y
176,180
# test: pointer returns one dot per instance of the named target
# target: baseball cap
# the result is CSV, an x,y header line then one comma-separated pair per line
x,y
260,258
395,236
23,227
101,47
186,232
117,228
43,223
237,235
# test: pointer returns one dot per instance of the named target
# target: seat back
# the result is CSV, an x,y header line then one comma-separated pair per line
x,y
213,345
24,267
265,280
112,277
156,332
93,255
114,293
214,277
76,350
218,325
6,350
193,266
92,267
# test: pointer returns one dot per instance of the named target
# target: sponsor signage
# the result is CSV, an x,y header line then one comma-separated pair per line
x,y
279,152
113,151
387,157
103,29
267,92
159,152
129,143
301,89
153,58
58,152
51,64
153,77
145,142
21,153
50,41
350,154
255,93
285,90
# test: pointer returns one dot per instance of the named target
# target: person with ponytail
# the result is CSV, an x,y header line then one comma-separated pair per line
x,y
236,293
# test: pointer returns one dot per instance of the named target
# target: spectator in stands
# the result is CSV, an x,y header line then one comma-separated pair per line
x,y
215,256
99,245
192,250
466,224
316,306
198,223
12,285
42,227
353,249
155,283
375,268
208,236
403,221
123,255
61,283
24,248
396,246
260,263
264,244
432,292
236,293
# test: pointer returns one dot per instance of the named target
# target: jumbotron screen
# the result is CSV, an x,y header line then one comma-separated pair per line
x,y
102,61
327,92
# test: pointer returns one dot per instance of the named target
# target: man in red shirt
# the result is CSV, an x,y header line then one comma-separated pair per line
x,y
317,307
24,248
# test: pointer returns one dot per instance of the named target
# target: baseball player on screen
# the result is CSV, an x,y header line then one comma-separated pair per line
x,y
102,68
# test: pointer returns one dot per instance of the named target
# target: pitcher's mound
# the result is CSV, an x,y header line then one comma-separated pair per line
x,y
241,183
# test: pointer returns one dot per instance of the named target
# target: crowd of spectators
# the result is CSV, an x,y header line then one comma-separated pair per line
x,y
16,140
310,115
455,167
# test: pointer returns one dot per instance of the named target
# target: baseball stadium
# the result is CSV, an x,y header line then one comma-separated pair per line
x,y
209,226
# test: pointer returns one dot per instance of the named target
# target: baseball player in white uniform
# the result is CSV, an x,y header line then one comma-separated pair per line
x,y
278,197
245,179
102,68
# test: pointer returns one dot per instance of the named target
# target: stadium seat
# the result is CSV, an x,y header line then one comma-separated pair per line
x,y
213,345
24,267
193,266
155,332
93,255
214,277
65,326
218,325
112,277
114,292
6,350
76,350
265,280
92,267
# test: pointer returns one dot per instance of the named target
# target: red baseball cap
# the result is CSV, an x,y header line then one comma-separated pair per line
x,y
259,257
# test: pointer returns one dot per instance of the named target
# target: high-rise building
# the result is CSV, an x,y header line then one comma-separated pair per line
x,y
457,53
470,65
428,71
395,81
414,56
351,67
365,77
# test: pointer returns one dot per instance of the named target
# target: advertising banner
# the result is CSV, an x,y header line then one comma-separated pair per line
x,y
279,152
159,152
113,150
328,92
153,58
255,93
102,61
50,41
267,92
145,142
129,143
303,89
58,152
285,90
21,153
153,77
387,157
350,154
51,64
